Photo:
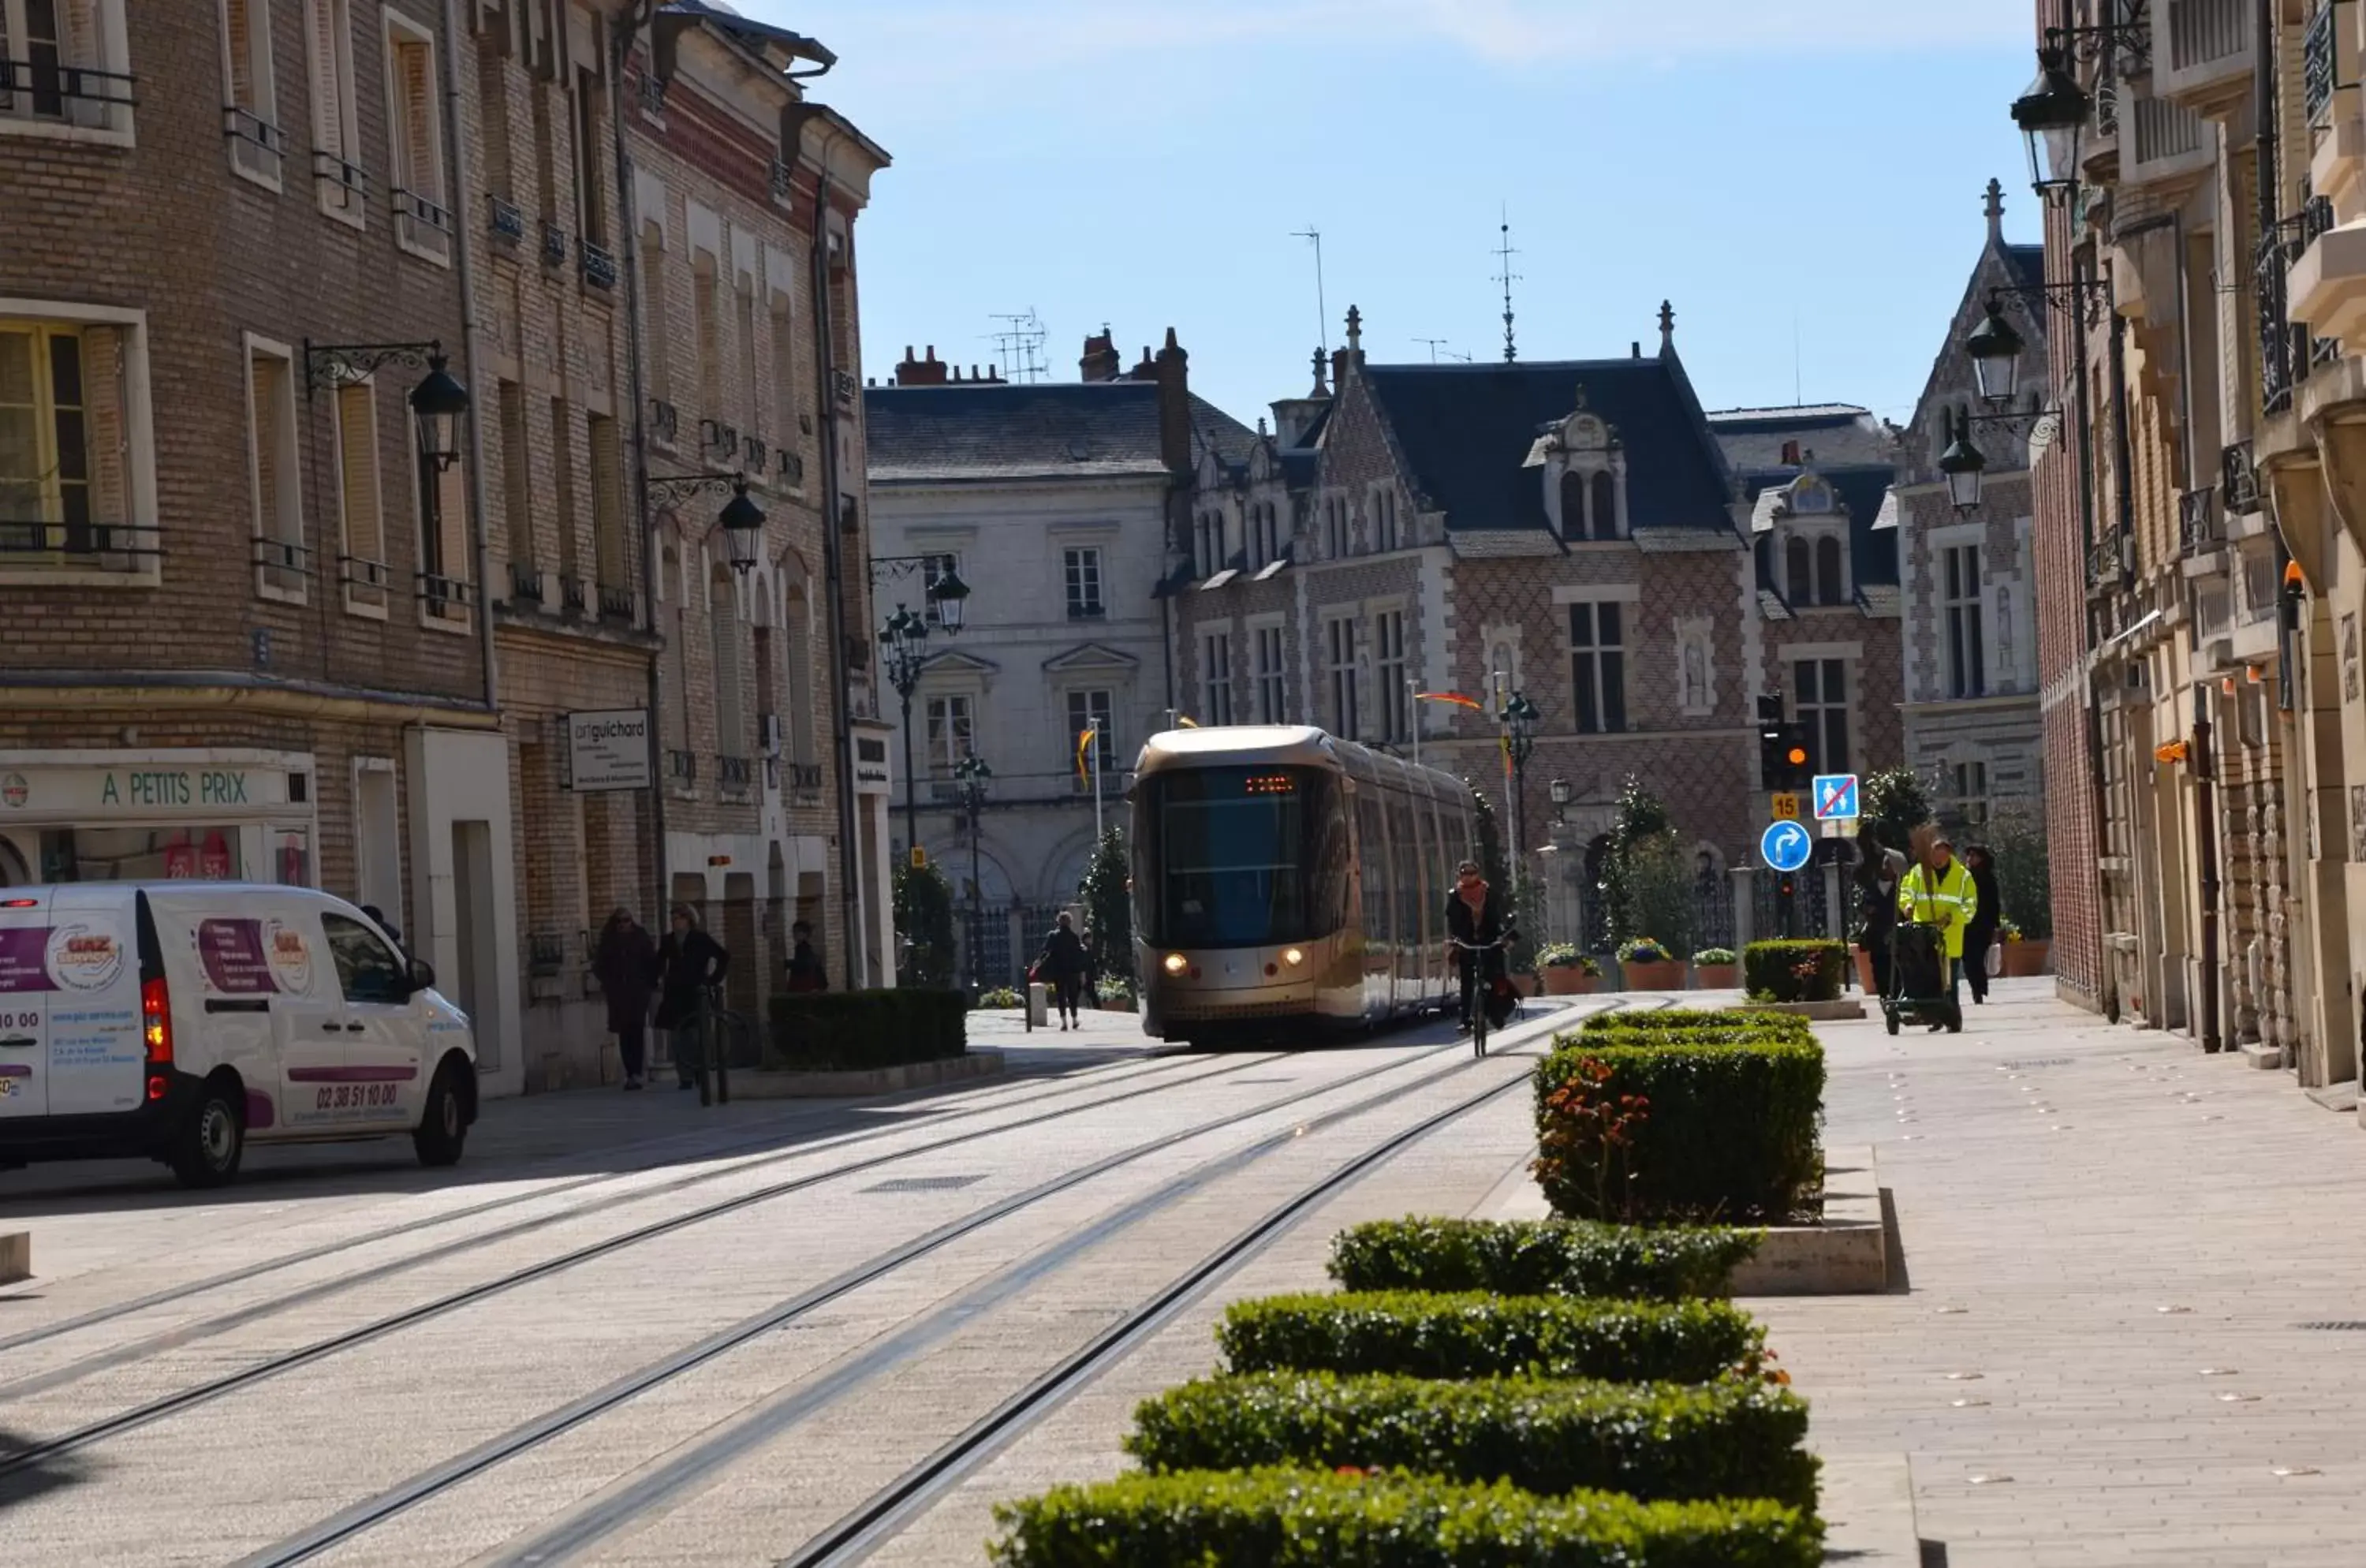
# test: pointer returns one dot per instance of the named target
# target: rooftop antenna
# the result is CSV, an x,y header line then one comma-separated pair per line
x,y
1435,345
1439,348
1503,254
1019,345
1322,311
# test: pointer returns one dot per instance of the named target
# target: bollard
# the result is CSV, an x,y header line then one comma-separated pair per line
x,y
722,1053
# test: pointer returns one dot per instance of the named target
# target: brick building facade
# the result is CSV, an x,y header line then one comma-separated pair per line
x,y
1573,531
245,617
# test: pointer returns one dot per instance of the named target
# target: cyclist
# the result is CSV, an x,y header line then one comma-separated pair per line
x,y
1475,916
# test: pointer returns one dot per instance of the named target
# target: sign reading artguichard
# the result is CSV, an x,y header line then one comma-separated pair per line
x,y
608,750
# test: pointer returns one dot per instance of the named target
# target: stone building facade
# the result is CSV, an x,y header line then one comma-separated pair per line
x,y
1053,500
743,198
2199,552
247,633
1969,580
1571,531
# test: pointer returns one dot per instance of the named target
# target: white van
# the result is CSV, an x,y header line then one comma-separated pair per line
x,y
178,1020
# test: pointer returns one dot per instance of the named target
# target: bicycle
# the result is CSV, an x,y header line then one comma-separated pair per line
x,y
1481,991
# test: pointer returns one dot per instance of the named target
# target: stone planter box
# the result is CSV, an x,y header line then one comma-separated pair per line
x,y
1569,980
1718,977
1848,1255
1524,984
2027,957
15,1256
1666,975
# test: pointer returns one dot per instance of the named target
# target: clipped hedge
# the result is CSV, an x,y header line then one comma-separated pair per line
x,y
1650,1441
1727,1130
1299,1519
1539,1257
837,1030
1769,970
1687,1021
1467,1335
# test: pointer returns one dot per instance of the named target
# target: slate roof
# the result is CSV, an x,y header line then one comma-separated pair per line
x,y
2028,264
1008,430
1835,433
1466,429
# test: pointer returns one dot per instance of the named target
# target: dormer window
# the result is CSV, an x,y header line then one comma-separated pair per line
x,y
1585,473
1829,589
1798,576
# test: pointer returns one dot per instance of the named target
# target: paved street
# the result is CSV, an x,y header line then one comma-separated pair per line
x,y
756,1319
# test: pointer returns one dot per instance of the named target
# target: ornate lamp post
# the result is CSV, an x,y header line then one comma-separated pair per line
x,y
1519,718
1560,793
742,519
906,639
974,779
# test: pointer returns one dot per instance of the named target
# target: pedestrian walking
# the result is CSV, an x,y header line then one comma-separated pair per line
x,y
1062,963
689,962
1980,931
1879,871
625,964
1940,893
805,973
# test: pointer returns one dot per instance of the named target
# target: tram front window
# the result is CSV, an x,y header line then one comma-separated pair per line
x,y
1235,848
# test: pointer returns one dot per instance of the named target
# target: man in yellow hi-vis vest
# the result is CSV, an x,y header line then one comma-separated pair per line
x,y
1940,893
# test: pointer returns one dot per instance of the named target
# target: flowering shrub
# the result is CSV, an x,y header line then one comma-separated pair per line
x,y
1586,1135
1643,949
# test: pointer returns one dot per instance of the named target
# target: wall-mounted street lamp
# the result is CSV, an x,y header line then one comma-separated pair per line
x,y
905,638
743,520
1962,463
438,403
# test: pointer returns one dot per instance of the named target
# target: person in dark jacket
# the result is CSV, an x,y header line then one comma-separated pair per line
x,y
1980,931
1063,966
624,965
805,973
1474,915
1878,869
689,962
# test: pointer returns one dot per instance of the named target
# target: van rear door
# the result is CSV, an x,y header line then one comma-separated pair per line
x,y
98,1059
24,1005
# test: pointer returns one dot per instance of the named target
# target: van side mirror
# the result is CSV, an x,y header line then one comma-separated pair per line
x,y
423,975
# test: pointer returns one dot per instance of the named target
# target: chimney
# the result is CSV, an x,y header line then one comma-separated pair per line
x,y
1171,370
1790,454
1634,348
1293,416
1100,361
929,372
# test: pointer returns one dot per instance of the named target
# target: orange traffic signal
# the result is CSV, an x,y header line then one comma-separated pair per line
x,y
1797,756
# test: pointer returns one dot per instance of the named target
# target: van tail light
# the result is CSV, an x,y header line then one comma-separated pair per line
x,y
156,1030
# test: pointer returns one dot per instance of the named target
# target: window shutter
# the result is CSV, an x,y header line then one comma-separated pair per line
x,y
262,442
328,101
452,521
240,44
358,452
418,123
608,504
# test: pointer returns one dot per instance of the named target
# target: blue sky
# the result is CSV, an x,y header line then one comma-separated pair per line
x,y
1786,172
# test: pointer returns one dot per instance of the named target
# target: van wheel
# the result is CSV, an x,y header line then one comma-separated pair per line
x,y
213,1141
444,1129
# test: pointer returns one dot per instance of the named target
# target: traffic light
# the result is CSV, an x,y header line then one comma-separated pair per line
x,y
1784,760
1798,770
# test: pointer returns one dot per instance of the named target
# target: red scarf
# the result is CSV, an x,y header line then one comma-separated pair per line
x,y
1475,895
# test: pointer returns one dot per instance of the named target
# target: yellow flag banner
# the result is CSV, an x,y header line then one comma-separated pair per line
x,y
1084,742
1183,722
1457,698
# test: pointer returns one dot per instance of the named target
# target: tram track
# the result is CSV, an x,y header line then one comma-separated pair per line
x,y
45,1451
140,1349
115,1311
685,1471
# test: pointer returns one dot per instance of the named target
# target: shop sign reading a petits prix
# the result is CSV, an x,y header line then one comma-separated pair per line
x,y
132,791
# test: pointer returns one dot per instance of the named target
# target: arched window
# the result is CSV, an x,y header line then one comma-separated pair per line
x,y
1606,505
1828,570
1572,506
1799,584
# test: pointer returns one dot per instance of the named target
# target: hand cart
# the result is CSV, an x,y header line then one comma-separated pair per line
x,y
1918,978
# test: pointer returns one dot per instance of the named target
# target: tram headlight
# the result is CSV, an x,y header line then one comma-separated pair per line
x,y
1174,962
1294,957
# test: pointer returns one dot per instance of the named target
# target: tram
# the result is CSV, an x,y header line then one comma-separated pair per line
x,y
1288,883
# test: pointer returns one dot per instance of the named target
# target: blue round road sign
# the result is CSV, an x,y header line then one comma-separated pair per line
x,y
1785,845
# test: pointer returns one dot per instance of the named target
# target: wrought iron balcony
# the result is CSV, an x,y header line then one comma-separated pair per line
x,y
571,594
2107,563
346,185
49,89
2319,54
735,773
804,778
554,244
32,543
598,265
790,466
2239,480
681,768
2199,528
618,604
525,585
665,421
756,454
505,218
256,146
846,387
445,598
365,580
780,186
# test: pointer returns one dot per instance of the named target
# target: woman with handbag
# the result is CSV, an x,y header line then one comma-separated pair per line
x,y
1062,965
1979,931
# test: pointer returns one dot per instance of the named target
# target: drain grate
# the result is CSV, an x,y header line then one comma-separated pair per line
x,y
2040,1061
927,1183
2337,1325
